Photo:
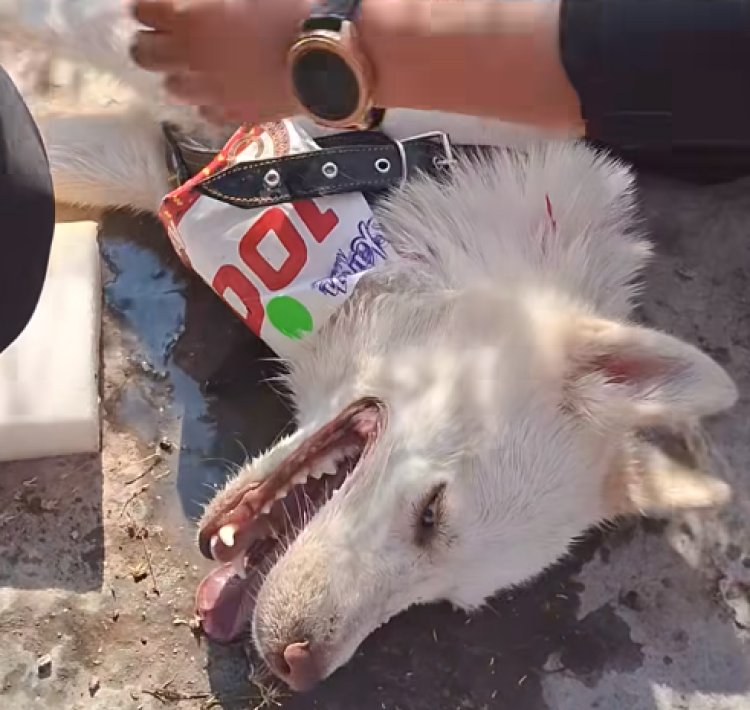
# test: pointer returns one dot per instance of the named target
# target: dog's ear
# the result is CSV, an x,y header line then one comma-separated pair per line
x,y
653,482
626,375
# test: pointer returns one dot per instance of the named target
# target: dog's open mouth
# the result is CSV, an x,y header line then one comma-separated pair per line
x,y
264,518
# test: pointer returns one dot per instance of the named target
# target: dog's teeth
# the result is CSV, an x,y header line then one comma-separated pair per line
x,y
266,509
281,493
227,533
301,477
238,564
325,467
214,545
317,474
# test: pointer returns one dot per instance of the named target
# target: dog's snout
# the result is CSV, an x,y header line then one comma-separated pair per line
x,y
297,666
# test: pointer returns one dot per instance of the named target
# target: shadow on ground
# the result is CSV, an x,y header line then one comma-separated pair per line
x,y
206,378
433,657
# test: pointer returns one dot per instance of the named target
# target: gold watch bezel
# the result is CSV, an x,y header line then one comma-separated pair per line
x,y
345,44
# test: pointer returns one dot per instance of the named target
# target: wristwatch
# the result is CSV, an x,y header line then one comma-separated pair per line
x,y
332,78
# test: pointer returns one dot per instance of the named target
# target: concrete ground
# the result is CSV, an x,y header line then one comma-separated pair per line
x,y
98,563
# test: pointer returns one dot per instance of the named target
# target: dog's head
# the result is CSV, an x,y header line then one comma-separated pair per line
x,y
459,456
463,418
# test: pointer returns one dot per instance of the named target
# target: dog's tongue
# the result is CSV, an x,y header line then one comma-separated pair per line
x,y
223,604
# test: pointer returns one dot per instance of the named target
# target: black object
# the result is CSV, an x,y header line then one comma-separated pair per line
x,y
27,213
357,161
326,85
185,157
324,82
664,83
331,80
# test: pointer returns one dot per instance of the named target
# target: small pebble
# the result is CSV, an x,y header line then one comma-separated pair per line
x,y
631,600
166,445
44,665
93,686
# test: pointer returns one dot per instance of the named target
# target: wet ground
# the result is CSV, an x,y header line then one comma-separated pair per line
x,y
98,564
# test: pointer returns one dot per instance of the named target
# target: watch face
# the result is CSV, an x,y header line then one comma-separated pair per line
x,y
325,85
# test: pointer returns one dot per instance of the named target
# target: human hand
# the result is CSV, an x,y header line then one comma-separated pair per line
x,y
192,42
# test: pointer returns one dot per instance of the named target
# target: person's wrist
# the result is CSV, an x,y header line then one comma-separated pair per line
x,y
496,58
293,14
387,29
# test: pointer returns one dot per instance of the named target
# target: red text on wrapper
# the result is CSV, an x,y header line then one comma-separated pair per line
x,y
274,220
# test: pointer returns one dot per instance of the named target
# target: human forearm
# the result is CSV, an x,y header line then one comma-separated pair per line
x,y
495,58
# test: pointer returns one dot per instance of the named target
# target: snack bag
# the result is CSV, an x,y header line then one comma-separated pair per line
x,y
286,268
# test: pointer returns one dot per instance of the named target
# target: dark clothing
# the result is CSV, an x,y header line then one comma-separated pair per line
x,y
664,82
27,213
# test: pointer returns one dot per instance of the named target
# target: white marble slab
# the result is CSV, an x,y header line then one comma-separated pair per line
x,y
49,391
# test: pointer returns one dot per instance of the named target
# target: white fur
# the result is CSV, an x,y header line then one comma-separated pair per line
x,y
491,345
499,344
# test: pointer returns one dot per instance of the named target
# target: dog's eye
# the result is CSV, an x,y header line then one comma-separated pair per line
x,y
430,513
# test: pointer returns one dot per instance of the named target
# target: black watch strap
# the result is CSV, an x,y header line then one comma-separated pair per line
x,y
329,14
365,161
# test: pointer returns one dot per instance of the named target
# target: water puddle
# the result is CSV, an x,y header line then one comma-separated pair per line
x,y
198,374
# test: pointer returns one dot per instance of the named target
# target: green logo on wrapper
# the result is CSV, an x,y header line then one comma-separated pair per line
x,y
289,317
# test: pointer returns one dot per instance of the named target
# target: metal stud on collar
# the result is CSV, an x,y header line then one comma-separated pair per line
x,y
383,165
272,178
330,170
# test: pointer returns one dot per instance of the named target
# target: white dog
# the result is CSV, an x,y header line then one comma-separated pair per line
x,y
474,408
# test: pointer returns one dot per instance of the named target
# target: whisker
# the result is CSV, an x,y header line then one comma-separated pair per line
x,y
300,512
309,507
243,448
220,459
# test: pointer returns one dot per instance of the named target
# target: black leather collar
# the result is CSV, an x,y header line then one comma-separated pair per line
x,y
362,161
185,157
